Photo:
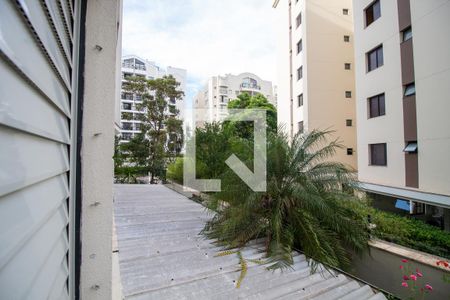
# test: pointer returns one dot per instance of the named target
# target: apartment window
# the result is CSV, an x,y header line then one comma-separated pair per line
x,y
300,73
378,154
126,106
348,94
377,106
299,46
347,66
349,122
300,127
407,34
410,89
345,11
299,20
300,100
373,12
347,38
375,58
411,147
349,151
127,136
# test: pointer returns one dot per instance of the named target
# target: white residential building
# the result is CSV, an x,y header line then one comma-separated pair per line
x,y
402,61
316,71
135,66
219,90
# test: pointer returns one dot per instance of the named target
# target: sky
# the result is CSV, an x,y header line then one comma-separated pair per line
x,y
205,37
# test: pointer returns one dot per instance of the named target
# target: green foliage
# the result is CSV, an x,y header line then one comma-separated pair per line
x,y
406,231
245,101
175,170
303,208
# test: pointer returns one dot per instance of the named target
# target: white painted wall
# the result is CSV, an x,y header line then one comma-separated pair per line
x,y
97,147
431,42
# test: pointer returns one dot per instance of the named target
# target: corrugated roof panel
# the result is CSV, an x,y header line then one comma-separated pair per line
x,y
162,256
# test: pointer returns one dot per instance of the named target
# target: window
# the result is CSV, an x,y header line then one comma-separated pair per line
x,y
126,106
299,20
349,151
411,147
127,136
347,66
378,154
127,126
300,127
375,58
299,46
345,11
376,106
348,122
348,94
300,73
410,89
300,100
346,38
373,12
407,34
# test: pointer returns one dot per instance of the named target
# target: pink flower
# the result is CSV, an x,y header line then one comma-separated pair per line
x,y
419,274
413,277
404,284
401,267
404,260
428,287
405,277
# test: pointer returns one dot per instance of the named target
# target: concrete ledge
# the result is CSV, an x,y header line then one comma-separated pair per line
x,y
418,256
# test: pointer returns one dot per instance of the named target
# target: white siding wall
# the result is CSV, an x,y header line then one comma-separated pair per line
x,y
36,116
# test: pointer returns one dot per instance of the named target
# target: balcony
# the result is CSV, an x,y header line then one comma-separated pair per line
x,y
133,66
249,86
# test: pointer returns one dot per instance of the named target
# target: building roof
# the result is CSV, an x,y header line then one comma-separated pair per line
x,y
161,256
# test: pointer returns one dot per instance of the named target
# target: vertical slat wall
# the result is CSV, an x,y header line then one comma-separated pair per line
x,y
36,44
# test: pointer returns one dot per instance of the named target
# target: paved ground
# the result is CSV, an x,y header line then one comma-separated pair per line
x,y
161,256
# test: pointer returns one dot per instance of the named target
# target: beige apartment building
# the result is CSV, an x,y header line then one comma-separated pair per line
x,y
316,87
402,56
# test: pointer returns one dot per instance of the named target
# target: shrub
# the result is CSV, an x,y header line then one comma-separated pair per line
x,y
406,231
175,171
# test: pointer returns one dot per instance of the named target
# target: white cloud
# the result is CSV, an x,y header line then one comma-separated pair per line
x,y
206,37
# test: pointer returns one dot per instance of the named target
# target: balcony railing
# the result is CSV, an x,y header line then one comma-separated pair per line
x,y
133,66
250,86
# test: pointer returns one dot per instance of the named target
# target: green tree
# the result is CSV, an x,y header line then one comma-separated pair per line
x,y
304,207
258,101
161,138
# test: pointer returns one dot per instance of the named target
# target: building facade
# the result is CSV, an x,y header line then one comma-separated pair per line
x,y
219,90
135,66
402,86
316,87
58,80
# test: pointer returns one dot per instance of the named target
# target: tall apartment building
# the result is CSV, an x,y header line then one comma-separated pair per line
x,y
135,66
316,70
402,58
219,90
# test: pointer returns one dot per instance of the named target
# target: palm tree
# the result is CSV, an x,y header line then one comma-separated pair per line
x,y
304,207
